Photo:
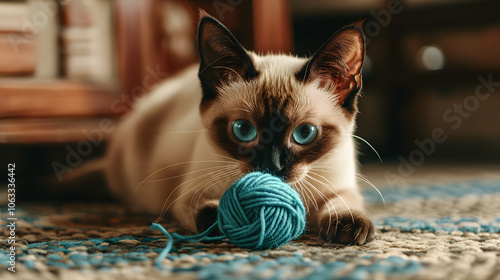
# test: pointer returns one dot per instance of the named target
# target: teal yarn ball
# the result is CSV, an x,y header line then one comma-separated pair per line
x,y
257,212
260,211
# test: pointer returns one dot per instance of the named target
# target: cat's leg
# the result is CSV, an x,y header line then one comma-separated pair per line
x,y
206,216
342,219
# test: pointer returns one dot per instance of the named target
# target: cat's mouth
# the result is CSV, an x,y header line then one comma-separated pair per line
x,y
294,174
282,174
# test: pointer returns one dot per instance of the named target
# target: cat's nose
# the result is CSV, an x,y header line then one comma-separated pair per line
x,y
271,162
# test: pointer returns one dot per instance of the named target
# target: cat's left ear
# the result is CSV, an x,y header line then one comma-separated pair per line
x,y
222,57
336,66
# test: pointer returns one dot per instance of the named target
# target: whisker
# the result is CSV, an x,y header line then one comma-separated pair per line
x,y
364,179
189,189
208,183
216,175
226,157
326,185
187,131
184,174
163,210
358,176
300,190
306,196
311,197
303,194
176,164
326,201
369,145
227,174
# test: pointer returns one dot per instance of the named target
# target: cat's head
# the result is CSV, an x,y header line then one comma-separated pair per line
x,y
277,112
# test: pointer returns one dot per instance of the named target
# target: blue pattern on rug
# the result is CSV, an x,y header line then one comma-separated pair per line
x,y
430,191
446,224
224,261
229,268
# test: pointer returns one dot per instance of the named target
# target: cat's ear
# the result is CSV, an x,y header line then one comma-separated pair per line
x,y
336,66
223,59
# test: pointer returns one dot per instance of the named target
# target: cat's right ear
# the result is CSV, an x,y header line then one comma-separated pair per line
x,y
337,65
223,59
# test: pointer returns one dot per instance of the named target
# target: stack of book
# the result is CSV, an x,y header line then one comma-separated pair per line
x,y
18,47
87,39
35,34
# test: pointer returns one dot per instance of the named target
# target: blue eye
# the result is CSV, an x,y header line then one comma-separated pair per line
x,y
244,130
305,134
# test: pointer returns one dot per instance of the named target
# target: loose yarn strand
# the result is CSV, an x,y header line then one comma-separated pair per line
x,y
164,253
177,237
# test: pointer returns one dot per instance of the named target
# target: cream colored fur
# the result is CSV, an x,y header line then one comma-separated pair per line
x,y
161,156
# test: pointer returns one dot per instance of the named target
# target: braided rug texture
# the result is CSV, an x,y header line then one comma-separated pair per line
x,y
426,231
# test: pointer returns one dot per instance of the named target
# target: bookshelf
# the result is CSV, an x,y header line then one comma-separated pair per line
x,y
79,61
57,70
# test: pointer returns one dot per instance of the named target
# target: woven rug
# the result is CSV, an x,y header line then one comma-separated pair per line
x,y
429,230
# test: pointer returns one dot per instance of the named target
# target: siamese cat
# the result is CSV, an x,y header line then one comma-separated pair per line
x,y
236,112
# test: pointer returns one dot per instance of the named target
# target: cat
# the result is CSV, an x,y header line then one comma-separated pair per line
x,y
182,145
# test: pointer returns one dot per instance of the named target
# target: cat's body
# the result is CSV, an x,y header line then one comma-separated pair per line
x,y
185,143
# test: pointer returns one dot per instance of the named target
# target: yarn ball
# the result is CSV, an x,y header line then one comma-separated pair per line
x,y
260,211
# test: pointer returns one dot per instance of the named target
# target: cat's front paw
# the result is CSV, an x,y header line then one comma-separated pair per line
x,y
205,218
344,228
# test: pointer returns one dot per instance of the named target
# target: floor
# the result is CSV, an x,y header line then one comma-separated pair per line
x,y
440,222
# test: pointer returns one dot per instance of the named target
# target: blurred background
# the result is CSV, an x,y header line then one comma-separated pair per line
x,y
69,69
